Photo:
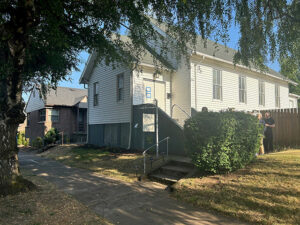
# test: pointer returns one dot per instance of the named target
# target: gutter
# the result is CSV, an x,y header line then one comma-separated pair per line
x,y
294,95
244,67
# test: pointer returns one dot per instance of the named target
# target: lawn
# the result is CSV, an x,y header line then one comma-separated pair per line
x,y
266,192
44,206
122,166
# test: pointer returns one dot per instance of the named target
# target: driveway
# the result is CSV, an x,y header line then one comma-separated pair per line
x,y
120,202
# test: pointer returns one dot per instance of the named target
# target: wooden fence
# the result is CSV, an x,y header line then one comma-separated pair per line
x,y
287,127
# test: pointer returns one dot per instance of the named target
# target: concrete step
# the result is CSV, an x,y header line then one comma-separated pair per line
x,y
181,163
180,169
163,178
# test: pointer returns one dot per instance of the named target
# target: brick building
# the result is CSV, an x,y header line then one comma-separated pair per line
x,y
63,108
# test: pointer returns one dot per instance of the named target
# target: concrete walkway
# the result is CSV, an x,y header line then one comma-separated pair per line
x,y
120,202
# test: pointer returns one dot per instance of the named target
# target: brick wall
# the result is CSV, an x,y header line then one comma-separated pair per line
x,y
66,123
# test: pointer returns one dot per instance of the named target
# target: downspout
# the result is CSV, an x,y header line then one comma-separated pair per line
x,y
131,110
195,73
87,115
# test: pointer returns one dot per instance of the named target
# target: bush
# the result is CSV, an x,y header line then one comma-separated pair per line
x,y
222,142
37,143
26,142
51,136
21,140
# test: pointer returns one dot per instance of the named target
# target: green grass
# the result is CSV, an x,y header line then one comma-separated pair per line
x,y
122,166
266,192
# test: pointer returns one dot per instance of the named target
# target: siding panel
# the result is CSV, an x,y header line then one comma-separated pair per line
x,y
108,109
34,102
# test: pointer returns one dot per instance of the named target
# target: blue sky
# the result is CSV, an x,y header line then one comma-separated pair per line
x,y
233,43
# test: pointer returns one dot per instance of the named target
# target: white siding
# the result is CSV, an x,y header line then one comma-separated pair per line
x,y
181,92
139,89
203,84
34,102
293,102
108,109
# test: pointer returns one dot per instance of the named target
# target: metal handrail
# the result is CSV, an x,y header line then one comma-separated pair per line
x,y
144,152
180,109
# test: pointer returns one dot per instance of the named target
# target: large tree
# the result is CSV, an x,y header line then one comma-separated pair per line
x,y
40,41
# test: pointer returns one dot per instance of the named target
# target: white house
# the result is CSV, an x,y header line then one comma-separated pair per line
x,y
209,80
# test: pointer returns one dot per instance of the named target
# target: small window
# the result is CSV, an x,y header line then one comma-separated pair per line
x,y
242,89
120,87
28,119
217,84
277,96
96,92
261,87
42,113
53,115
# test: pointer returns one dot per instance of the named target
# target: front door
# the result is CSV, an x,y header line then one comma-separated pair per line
x,y
155,90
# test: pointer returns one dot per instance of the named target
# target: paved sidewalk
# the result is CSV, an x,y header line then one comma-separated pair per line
x,y
120,202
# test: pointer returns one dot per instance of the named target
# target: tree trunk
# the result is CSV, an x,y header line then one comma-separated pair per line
x,y
9,166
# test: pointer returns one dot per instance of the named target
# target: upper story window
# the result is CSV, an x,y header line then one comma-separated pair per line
x,y
261,89
277,96
96,92
53,115
242,89
120,87
42,114
217,84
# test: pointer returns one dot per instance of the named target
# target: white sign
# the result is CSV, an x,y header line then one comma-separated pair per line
x,y
148,122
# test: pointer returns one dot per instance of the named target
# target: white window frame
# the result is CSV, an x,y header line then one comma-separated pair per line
x,y
277,96
53,115
95,93
261,93
243,89
217,85
120,87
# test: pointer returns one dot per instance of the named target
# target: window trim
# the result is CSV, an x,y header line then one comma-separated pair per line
x,y
120,99
277,97
245,89
259,93
218,85
42,110
50,115
95,93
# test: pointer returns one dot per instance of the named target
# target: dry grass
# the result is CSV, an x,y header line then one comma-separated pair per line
x,y
266,192
122,166
46,205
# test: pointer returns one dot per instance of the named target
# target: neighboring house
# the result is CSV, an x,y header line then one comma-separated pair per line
x,y
22,126
293,100
119,103
63,108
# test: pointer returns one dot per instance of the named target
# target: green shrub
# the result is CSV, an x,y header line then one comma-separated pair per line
x,y
51,136
37,143
26,142
21,140
222,142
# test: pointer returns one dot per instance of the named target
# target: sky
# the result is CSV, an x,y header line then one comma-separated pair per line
x,y
75,75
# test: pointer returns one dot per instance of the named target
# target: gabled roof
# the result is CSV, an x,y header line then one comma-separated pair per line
x,y
210,48
64,96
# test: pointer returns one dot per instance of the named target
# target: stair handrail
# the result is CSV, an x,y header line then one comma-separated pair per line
x,y
180,109
144,152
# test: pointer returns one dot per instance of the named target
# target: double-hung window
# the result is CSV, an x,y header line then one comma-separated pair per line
x,y
217,84
261,89
242,89
42,114
95,92
53,115
120,87
277,96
